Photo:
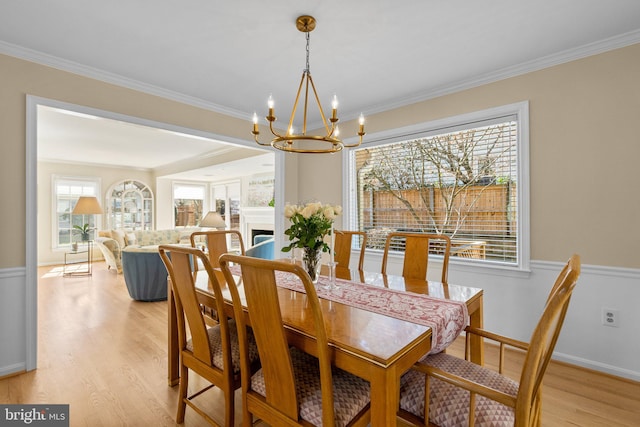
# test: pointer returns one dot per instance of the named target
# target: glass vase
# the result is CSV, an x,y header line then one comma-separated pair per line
x,y
311,261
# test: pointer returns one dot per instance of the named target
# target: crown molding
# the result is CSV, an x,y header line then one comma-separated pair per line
x,y
559,58
112,78
92,164
565,56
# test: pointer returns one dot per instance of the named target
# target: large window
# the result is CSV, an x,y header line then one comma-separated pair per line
x,y
462,177
67,190
188,202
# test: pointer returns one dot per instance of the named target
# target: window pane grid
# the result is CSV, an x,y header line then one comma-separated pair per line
x,y
67,192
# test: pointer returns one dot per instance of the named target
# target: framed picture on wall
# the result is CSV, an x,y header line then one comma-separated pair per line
x,y
260,191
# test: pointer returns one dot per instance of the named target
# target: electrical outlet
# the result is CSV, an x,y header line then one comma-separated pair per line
x,y
610,317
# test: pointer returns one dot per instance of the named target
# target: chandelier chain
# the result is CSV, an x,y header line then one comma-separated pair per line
x,y
307,69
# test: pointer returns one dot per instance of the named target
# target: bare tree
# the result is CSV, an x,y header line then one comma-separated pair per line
x,y
443,166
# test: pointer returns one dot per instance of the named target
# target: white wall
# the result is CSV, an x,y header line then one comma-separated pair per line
x,y
164,204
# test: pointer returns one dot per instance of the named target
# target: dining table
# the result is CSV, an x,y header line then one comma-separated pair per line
x,y
378,325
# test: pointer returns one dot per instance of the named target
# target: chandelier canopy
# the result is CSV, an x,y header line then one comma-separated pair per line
x,y
301,142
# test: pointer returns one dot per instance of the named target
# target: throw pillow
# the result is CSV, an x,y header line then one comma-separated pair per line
x,y
118,236
130,238
104,233
185,238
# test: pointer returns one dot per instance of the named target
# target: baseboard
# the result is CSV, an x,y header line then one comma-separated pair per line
x,y
597,366
55,263
579,362
12,370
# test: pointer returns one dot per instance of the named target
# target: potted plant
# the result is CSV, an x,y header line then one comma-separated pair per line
x,y
84,231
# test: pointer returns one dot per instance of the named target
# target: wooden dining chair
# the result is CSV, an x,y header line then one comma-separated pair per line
x,y
462,393
417,247
342,248
216,245
475,249
216,242
211,352
292,387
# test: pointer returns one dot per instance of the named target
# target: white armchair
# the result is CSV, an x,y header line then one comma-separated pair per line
x,y
111,250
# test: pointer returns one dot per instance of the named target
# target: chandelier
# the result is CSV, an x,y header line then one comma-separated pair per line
x,y
301,142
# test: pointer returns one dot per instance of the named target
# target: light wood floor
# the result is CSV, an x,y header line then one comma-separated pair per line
x,y
105,355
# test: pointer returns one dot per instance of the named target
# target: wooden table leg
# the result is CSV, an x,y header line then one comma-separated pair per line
x,y
385,384
172,349
476,343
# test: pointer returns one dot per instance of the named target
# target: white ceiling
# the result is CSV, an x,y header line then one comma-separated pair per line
x,y
71,137
375,55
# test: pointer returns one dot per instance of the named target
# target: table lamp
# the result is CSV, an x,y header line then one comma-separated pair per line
x,y
87,205
213,220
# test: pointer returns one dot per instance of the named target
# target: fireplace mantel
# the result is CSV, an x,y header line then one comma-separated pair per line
x,y
256,219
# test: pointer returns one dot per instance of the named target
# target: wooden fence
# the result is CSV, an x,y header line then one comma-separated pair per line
x,y
481,207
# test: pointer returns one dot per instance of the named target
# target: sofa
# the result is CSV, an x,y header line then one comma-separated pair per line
x,y
113,242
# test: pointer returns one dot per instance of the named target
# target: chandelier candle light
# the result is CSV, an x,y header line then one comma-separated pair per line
x,y
310,224
303,143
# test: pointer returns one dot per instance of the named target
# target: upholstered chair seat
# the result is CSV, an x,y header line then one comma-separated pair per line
x,y
216,346
449,405
351,393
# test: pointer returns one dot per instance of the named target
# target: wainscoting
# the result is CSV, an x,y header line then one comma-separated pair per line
x,y
105,355
512,304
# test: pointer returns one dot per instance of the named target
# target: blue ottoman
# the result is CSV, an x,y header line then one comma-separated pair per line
x,y
144,273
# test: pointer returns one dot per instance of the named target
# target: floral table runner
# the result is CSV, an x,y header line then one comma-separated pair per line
x,y
446,318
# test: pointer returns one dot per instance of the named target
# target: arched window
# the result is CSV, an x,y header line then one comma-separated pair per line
x,y
130,206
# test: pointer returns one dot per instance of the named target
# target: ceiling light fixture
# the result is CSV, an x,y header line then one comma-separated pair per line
x,y
303,143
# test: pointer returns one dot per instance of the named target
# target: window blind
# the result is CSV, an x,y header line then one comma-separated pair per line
x,y
460,181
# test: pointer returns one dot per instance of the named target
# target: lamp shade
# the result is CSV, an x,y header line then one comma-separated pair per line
x,y
213,220
87,205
